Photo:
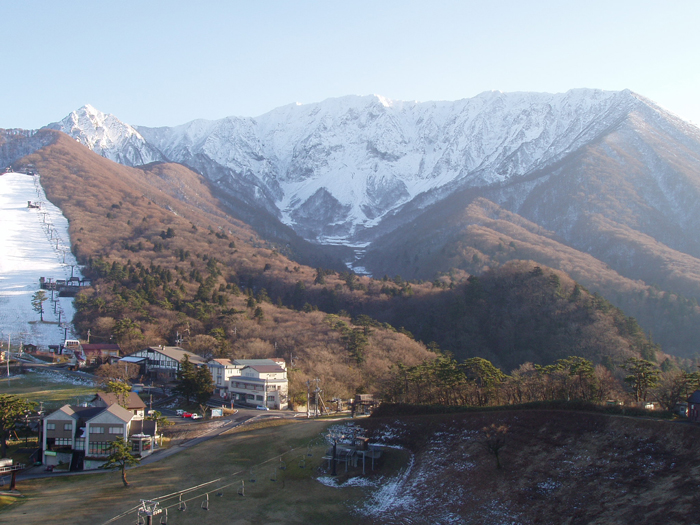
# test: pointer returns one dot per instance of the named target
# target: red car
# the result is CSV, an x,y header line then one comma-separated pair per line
x,y
187,414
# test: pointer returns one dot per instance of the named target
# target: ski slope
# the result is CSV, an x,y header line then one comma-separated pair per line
x,y
34,243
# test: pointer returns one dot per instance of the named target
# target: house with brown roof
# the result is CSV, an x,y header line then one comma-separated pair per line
x,y
133,403
100,353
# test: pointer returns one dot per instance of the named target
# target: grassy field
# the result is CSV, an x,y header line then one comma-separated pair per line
x,y
252,453
54,389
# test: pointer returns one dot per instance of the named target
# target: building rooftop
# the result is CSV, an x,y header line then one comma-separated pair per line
x,y
266,369
177,353
133,402
222,362
255,362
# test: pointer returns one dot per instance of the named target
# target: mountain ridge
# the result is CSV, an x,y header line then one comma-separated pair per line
x,y
352,160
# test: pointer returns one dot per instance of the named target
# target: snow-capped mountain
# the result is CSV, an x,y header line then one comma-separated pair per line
x,y
337,171
107,135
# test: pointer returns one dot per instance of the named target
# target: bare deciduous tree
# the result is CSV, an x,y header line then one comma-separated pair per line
x,y
493,439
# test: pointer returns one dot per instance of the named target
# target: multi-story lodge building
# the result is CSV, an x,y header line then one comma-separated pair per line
x,y
255,382
252,381
82,436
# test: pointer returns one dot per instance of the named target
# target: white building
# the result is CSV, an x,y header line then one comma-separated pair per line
x,y
221,371
260,382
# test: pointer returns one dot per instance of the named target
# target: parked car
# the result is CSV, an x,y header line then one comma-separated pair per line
x,y
196,416
187,414
261,407
179,412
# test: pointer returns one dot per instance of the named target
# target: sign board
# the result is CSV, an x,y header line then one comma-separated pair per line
x,y
50,453
217,412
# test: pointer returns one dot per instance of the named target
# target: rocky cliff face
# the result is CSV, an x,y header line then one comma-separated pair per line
x,y
366,157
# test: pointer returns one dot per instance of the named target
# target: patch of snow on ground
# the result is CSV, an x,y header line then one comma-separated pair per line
x,y
34,243
391,495
60,377
429,489
357,481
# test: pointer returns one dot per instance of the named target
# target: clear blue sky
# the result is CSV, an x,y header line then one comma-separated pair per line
x,y
160,63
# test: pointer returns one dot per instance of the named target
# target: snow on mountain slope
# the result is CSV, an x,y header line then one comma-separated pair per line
x,y
334,168
108,136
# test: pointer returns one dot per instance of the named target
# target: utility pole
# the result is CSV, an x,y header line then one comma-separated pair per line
x,y
317,393
9,339
308,399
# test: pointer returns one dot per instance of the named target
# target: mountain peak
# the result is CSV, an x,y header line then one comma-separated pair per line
x,y
108,136
89,109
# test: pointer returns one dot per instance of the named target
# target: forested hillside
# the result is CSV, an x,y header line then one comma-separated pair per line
x,y
167,262
484,235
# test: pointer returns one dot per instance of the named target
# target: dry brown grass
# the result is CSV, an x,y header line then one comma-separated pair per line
x,y
294,498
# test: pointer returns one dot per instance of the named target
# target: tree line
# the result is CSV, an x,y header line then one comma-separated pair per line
x,y
477,382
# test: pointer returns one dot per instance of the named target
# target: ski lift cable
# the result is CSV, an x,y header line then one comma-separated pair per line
x,y
179,493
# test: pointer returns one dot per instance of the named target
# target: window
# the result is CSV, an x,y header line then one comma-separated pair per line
x,y
97,430
50,426
270,398
63,442
68,426
116,430
100,448
259,398
79,444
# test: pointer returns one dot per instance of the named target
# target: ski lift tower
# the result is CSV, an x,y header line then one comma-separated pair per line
x,y
149,509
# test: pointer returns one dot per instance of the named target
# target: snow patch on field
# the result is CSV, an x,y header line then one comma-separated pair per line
x,y
357,481
60,377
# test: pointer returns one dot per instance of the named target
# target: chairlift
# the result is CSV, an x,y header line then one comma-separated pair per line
x,y
182,506
283,465
220,493
302,462
274,475
205,503
241,489
164,517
